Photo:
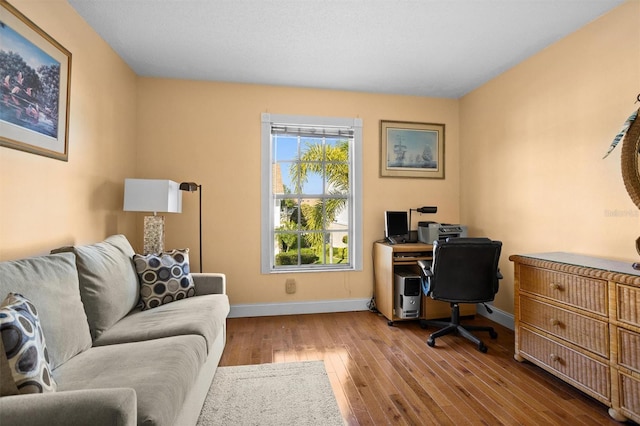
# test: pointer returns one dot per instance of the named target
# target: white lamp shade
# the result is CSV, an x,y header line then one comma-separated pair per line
x,y
152,195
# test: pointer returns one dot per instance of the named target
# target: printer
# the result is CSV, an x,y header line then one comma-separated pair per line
x,y
428,232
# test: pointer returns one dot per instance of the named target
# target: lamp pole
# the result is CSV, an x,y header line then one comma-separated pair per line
x,y
200,220
192,186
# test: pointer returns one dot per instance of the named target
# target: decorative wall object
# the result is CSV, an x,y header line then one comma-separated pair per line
x,y
35,84
409,149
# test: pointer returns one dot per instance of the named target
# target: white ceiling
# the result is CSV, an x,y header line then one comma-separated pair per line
x,y
439,48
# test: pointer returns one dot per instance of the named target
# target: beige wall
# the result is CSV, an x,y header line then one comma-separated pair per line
x,y
523,153
210,133
532,142
46,203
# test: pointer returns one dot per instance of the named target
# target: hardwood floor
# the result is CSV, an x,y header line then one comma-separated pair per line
x,y
388,375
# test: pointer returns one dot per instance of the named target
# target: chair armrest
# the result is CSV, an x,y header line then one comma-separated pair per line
x,y
425,276
96,407
425,268
210,283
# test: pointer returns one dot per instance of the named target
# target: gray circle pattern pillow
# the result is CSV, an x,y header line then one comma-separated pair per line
x,y
164,278
24,346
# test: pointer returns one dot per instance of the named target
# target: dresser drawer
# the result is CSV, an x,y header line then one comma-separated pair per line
x,y
582,292
630,396
582,371
629,349
628,306
580,330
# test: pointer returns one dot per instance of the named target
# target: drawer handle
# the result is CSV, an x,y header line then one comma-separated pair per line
x,y
555,286
555,322
554,357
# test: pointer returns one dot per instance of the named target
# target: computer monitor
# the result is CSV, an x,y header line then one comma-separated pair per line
x,y
396,225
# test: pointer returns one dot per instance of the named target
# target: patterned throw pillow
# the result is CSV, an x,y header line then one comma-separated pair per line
x,y
24,346
164,278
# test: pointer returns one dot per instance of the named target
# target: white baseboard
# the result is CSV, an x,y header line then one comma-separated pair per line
x,y
501,317
344,305
297,308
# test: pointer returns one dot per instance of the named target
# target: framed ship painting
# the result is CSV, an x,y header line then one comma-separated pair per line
x,y
409,149
35,73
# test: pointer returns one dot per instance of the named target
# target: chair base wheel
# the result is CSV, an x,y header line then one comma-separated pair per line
x,y
431,342
390,323
482,348
493,334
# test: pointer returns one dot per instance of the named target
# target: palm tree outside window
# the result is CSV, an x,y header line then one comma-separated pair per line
x,y
311,201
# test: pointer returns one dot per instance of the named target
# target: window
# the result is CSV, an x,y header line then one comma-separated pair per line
x,y
311,193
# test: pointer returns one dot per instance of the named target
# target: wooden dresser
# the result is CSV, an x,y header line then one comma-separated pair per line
x,y
578,317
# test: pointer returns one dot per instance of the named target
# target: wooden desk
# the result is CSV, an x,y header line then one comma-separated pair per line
x,y
387,259
578,317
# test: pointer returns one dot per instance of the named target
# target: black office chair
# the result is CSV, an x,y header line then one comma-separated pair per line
x,y
464,270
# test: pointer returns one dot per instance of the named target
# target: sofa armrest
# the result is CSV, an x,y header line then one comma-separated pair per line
x,y
94,407
209,283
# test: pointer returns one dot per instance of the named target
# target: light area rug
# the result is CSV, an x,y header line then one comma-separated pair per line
x,y
292,393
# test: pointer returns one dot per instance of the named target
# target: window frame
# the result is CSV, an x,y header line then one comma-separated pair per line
x,y
267,231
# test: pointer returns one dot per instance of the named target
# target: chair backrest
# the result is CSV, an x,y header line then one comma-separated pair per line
x,y
465,270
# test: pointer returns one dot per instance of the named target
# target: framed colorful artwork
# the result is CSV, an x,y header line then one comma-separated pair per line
x,y
35,73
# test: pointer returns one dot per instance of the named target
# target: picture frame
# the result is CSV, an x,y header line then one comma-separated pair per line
x,y
411,149
34,103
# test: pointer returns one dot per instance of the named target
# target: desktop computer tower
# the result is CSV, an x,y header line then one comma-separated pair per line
x,y
408,294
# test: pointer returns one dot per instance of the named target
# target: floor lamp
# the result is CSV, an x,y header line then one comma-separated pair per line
x,y
157,196
192,187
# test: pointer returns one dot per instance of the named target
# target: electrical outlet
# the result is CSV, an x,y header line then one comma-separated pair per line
x,y
290,286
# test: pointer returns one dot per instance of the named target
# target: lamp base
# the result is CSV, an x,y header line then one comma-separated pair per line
x,y
153,234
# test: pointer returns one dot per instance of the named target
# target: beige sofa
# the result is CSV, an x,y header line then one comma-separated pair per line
x,y
113,363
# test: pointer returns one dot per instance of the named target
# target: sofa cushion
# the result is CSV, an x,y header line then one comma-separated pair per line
x,y
108,281
202,315
164,278
87,407
161,371
24,346
51,283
